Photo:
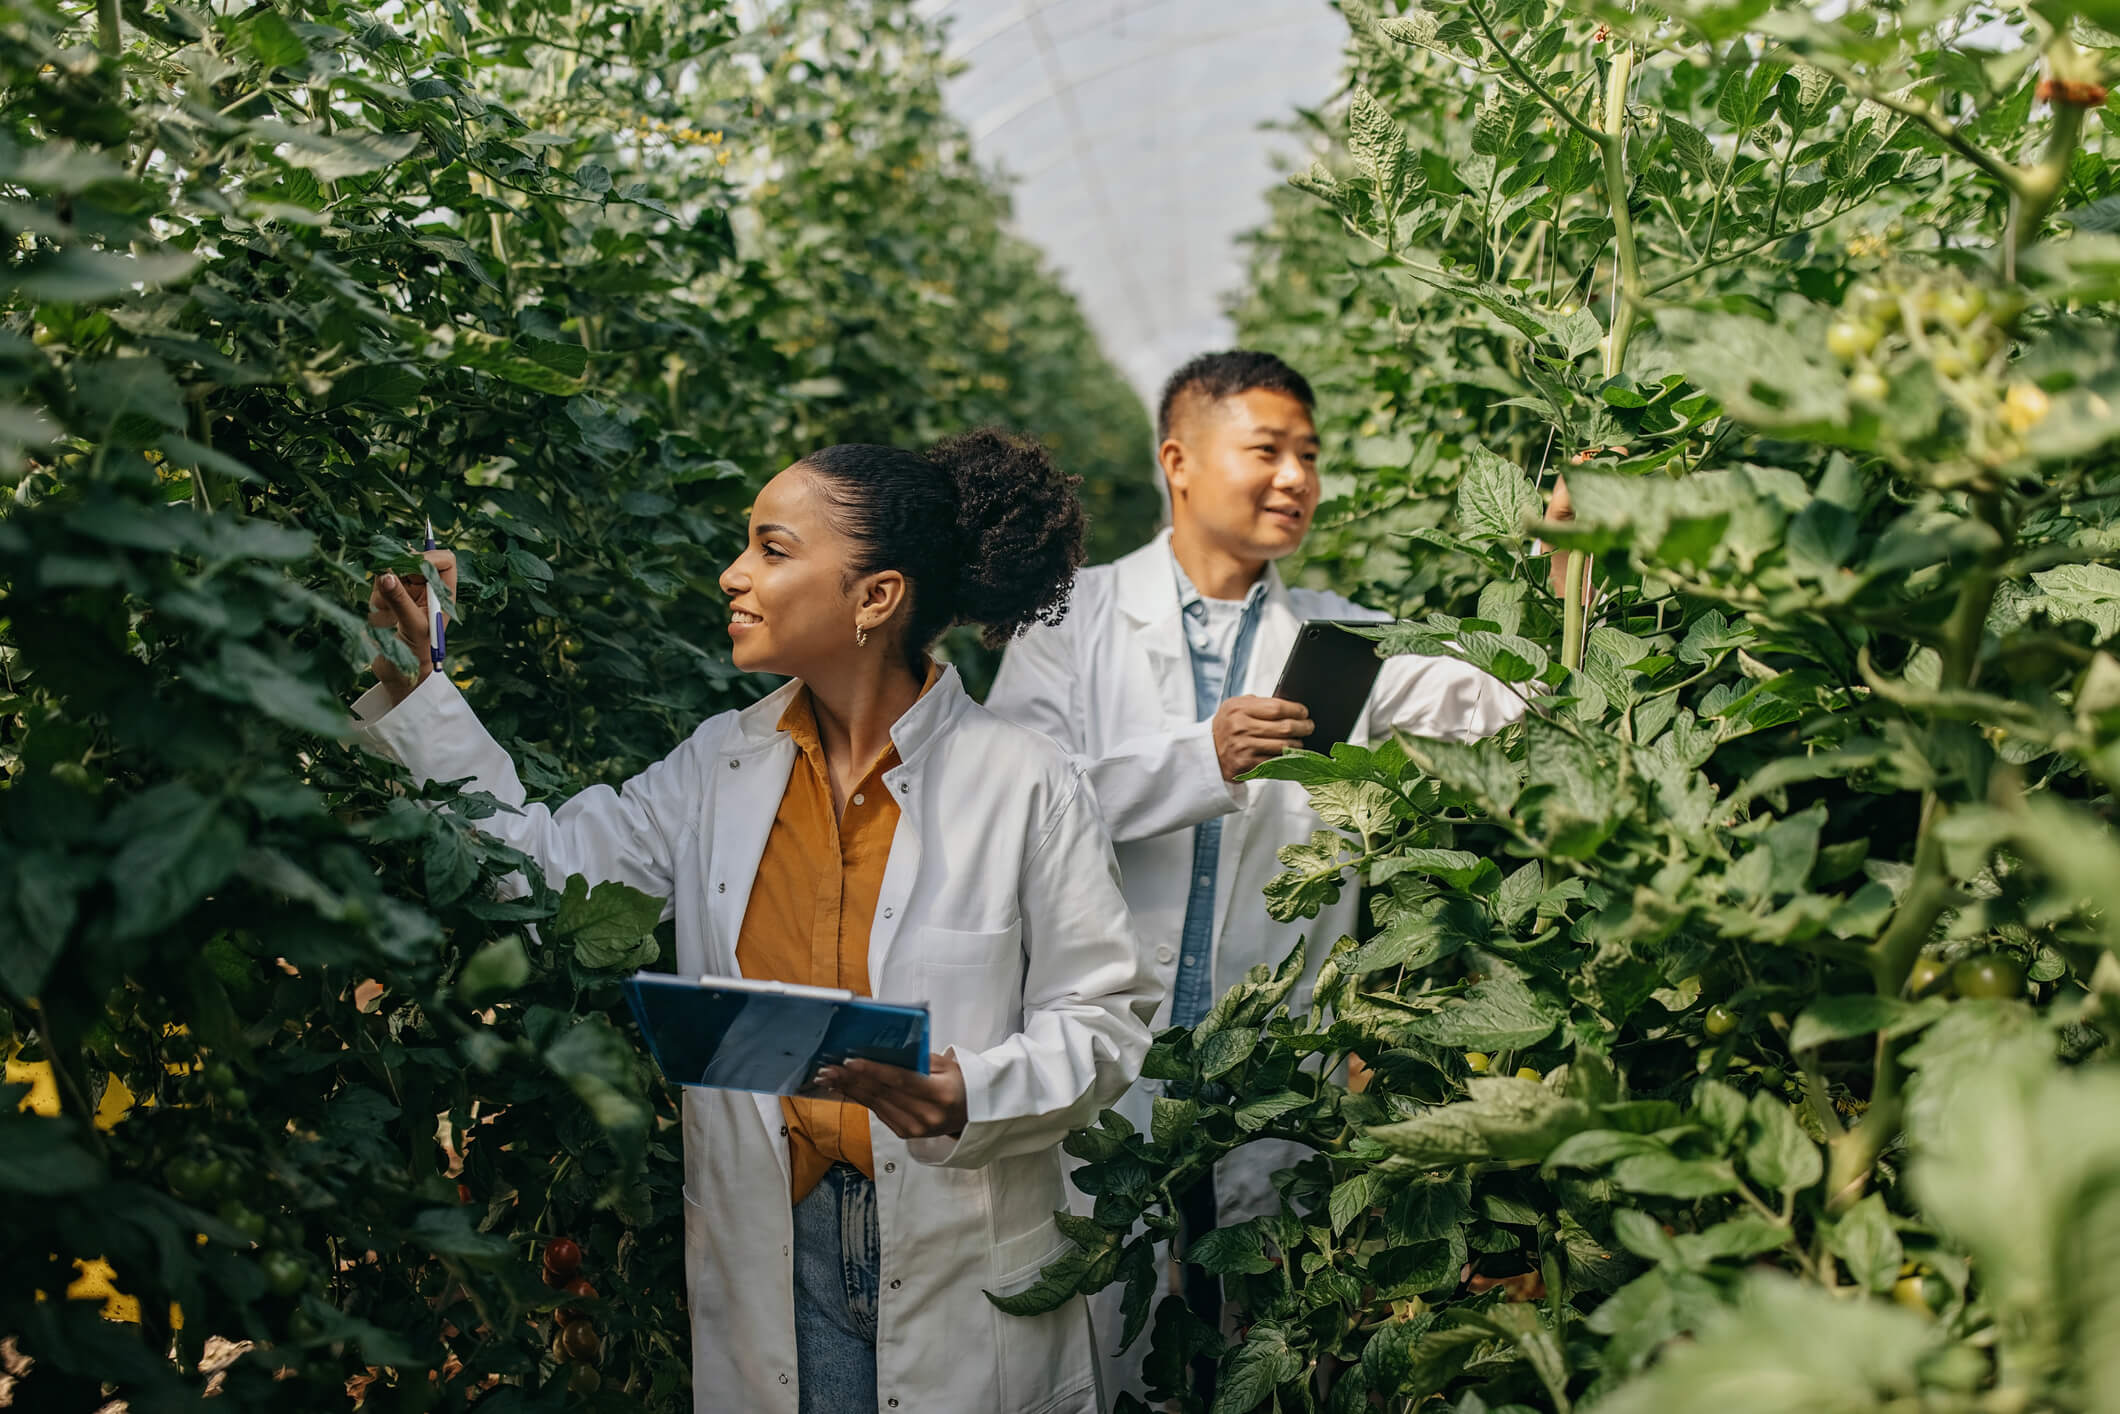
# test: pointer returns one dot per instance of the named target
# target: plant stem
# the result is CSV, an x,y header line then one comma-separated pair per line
x,y
1623,244
1572,611
2033,193
110,37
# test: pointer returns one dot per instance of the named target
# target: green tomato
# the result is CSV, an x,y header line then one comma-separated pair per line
x,y
583,1379
1951,359
1926,974
1925,1295
1772,1076
1719,1022
220,1076
1961,305
1529,1072
195,1180
1477,1062
244,1219
1995,975
1867,385
285,1273
1848,340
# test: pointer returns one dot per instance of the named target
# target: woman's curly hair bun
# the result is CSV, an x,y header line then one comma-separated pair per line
x,y
1020,528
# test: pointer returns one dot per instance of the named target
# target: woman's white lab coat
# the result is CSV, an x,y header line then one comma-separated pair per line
x,y
1000,907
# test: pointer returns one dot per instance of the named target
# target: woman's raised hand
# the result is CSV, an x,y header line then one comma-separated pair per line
x,y
402,604
911,1105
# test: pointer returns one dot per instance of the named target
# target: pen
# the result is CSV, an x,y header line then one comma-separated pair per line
x,y
437,641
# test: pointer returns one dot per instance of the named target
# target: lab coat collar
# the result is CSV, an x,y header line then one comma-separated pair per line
x,y
1147,583
923,722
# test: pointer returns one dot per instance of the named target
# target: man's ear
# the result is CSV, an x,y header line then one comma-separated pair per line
x,y
1177,469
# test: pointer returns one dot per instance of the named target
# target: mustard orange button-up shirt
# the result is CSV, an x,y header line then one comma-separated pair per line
x,y
812,906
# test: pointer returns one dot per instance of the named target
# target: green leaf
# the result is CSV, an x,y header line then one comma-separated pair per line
x,y
493,972
2082,593
1227,1251
1499,1014
1170,1121
393,386
1225,1051
174,847
1864,1238
273,40
451,863
599,1067
1495,499
1058,1281
1777,1152
1837,1018
1313,878
501,358
610,915
1667,1175
1255,1115
331,156
39,1158
1506,1118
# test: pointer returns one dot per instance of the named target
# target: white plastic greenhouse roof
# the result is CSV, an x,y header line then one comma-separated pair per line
x,y
1131,130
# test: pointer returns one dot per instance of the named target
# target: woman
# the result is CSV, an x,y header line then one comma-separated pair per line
x,y
867,826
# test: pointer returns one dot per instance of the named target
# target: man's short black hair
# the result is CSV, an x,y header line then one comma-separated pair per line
x,y
1215,376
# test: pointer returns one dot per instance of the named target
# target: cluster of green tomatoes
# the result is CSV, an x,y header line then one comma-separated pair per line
x,y
1960,329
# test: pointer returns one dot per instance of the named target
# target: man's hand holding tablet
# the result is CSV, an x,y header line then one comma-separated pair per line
x,y
1250,730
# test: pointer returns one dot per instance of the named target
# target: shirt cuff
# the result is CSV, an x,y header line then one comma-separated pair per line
x,y
972,1148
387,729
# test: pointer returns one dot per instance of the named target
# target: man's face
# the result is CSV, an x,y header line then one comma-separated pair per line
x,y
1244,473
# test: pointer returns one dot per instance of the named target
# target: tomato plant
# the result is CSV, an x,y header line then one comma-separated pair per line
x,y
1669,1103
324,1079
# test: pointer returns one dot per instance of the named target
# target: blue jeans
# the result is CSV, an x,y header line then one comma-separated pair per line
x,y
836,1251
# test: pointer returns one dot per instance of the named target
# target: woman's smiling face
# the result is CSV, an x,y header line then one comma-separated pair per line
x,y
790,606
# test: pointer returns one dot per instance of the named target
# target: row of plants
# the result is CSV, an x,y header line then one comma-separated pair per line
x,y
328,1110
1738,1026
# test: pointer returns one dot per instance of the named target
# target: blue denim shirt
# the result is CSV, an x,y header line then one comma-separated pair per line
x,y
1220,652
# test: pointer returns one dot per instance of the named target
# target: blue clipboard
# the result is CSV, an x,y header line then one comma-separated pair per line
x,y
741,1033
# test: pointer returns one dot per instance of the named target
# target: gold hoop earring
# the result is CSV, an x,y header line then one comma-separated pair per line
x,y
861,636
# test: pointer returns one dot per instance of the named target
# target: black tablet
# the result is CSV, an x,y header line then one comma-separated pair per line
x,y
1330,671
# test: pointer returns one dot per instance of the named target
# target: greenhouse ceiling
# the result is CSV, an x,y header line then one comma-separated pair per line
x,y
1131,131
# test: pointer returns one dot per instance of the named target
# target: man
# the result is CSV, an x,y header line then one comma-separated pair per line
x,y
1158,683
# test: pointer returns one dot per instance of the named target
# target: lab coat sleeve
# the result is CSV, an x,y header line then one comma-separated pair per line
x,y
1147,784
1088,997
1439,698
630,835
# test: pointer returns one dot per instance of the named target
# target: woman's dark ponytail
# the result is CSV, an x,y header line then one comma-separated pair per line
x,y
984,526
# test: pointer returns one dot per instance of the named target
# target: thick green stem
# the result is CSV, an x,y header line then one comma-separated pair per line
x,y
1624,248
110,35
1928,893
2036,191
1572,611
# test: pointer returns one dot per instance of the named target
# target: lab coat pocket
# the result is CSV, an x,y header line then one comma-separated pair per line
x,y
1045,1244
1045,1359
974,984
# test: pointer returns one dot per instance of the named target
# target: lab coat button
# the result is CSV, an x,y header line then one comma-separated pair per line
x,y
721,888
1164,953
895,1285
892,1402
890,1168
861,800
783,1373
732,766
887,913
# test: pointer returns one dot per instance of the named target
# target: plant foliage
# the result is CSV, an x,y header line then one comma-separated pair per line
x,y
1738,1025
320,1089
